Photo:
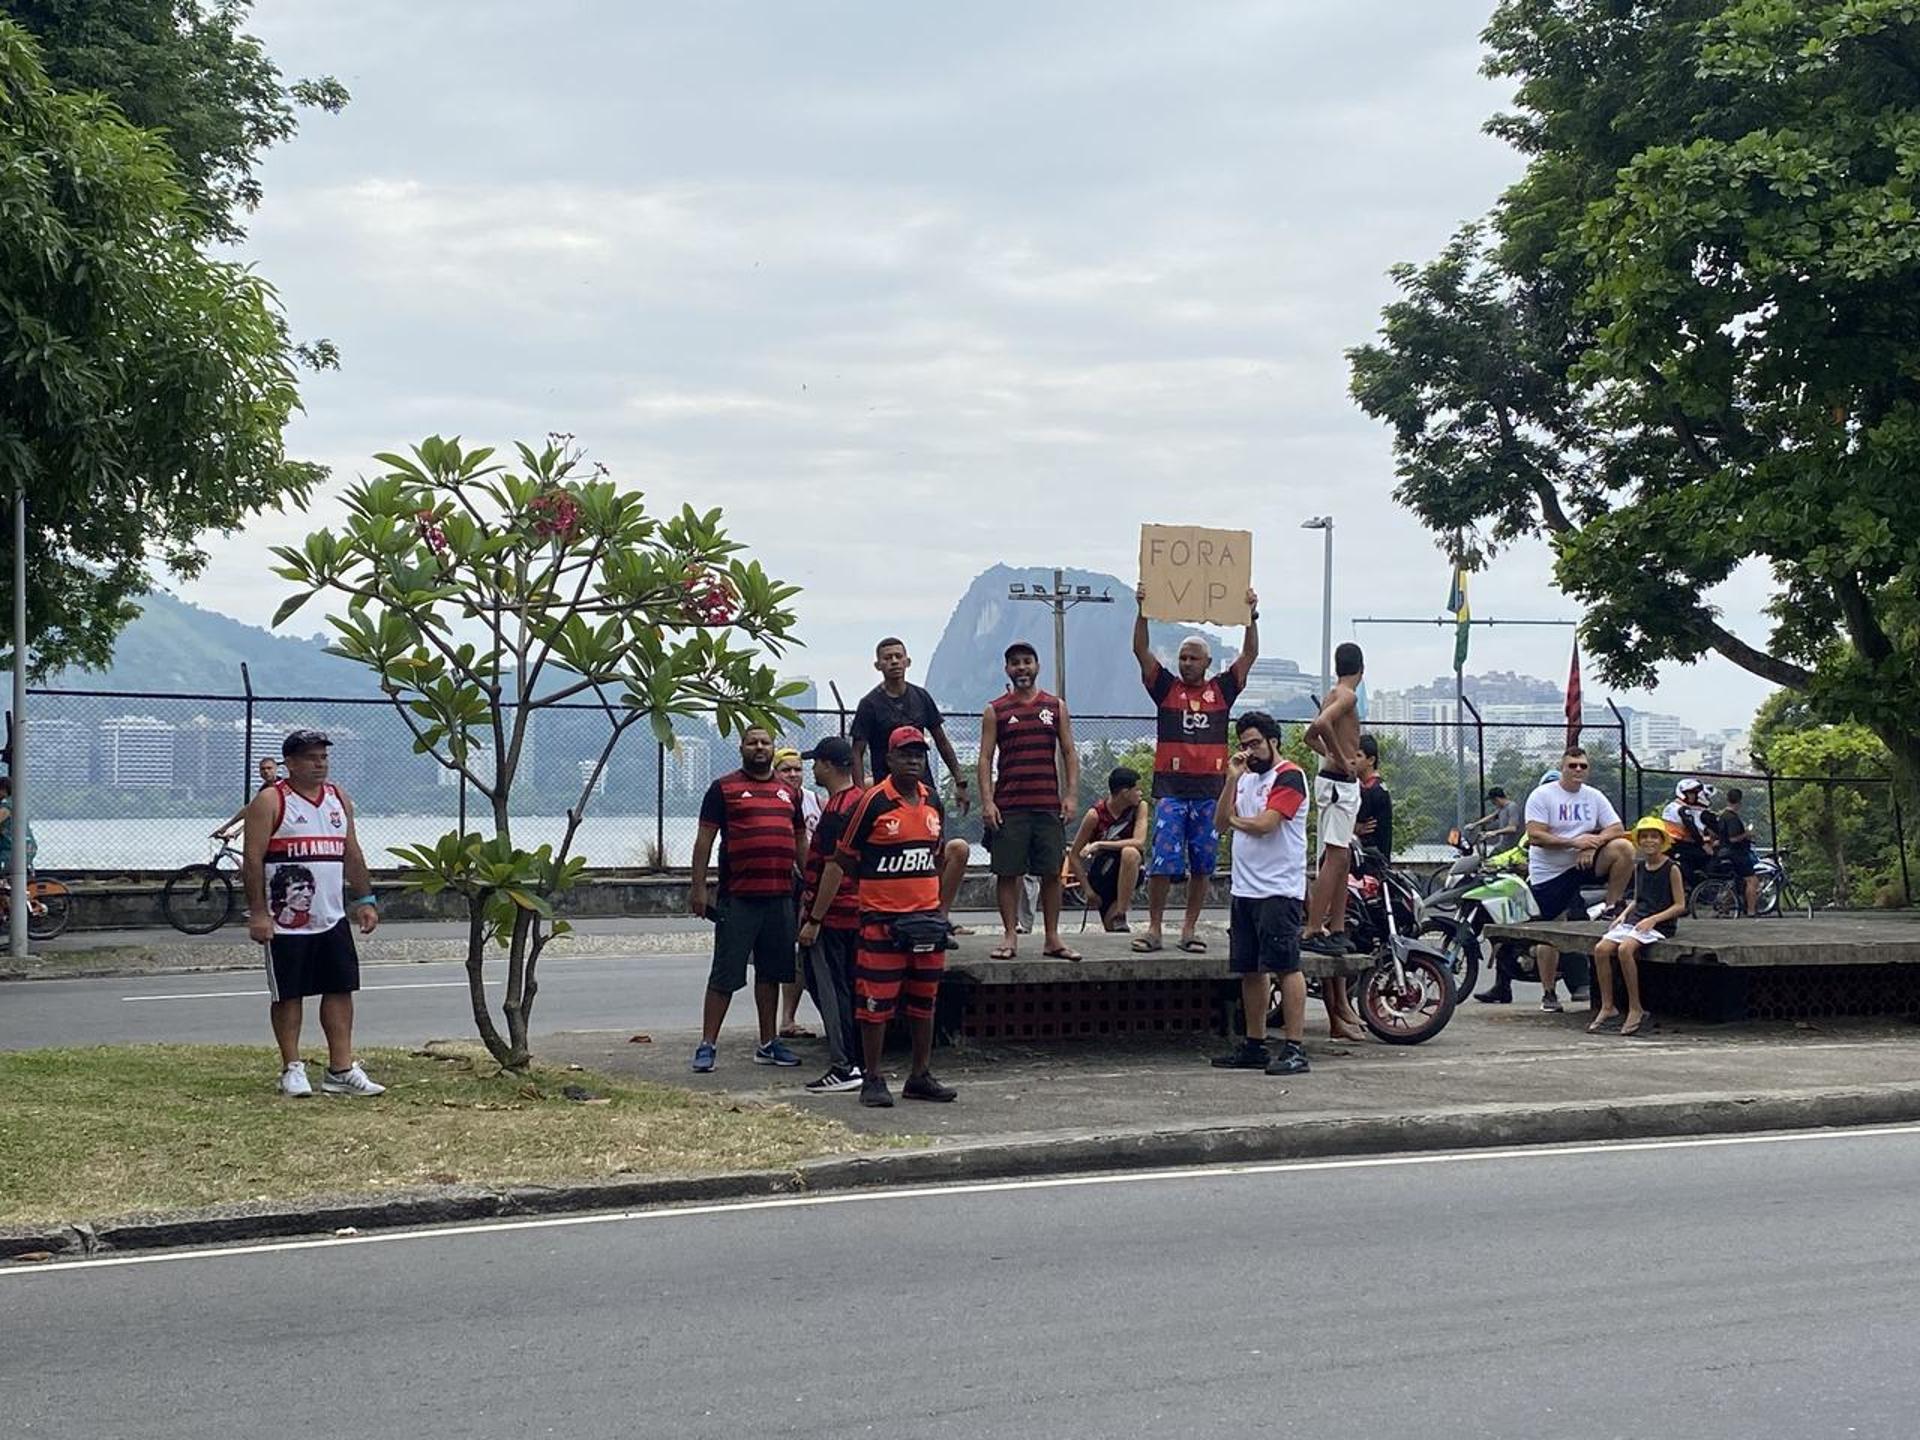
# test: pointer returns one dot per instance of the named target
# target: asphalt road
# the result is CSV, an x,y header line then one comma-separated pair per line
x,y
398,1004
1698,1289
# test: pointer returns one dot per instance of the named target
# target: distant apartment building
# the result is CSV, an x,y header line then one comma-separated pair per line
x,y
62,752
1655,736
136,751
689,767
599,781
1279,687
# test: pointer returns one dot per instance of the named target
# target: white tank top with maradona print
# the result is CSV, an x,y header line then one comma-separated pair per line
x,y
306,862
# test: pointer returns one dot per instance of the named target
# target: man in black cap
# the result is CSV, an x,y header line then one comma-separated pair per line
x,y
305,877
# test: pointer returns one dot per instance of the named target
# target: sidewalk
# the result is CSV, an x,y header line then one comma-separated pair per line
x,y
1494,1061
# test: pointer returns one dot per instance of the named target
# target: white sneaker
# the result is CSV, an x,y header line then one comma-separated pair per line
x,y
353,1081
293,1081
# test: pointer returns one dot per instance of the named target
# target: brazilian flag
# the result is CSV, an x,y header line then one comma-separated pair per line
x,y
1457,603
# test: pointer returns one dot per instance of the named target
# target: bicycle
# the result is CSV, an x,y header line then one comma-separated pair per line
x,y
49,907
1722,895
199,899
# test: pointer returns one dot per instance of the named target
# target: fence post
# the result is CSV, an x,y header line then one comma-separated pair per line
x,y
246,745
1639,800
1480,752
839,708
1773,819
660,802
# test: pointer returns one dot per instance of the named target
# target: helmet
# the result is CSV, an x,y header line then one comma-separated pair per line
x,y
1655,825
1693,790
1550,777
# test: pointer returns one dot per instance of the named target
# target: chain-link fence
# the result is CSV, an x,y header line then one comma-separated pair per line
x,y
136,781
1841,838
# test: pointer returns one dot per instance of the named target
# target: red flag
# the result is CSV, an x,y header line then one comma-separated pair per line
x,y
1573,697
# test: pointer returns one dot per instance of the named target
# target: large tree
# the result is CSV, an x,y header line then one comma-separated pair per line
x,y
144,387
186,69
1689,336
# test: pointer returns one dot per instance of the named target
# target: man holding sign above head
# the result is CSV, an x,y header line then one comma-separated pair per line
x,y
1189,766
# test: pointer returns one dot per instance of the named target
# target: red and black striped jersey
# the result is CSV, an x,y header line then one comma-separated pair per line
x,y
893,845
1027,741
838,812
757,821
1190,747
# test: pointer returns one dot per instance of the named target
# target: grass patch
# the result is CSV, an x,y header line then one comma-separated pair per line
x,y
116,1130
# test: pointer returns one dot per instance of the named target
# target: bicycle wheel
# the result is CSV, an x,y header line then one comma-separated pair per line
x,y
1462,949
1407,1013
50,908
1714,900
197,899
1791,902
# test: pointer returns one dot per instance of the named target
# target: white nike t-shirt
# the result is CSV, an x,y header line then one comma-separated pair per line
x,y
1569,814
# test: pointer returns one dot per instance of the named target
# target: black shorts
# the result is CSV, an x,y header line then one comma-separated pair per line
x,y
763,929
1559,898
1264,935
1103,878
1029,842
324,963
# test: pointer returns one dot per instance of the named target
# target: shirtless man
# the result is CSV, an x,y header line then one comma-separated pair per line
x,y
1334,735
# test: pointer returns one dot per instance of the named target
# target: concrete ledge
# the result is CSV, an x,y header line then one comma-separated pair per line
x,y
1235,1142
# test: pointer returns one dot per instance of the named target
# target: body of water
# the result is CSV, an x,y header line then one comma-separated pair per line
x,y
154,844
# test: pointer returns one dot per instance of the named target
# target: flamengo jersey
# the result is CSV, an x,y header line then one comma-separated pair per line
x,y
1027,736
305,863
1190,749
1275,864
893,845
844,912
758,821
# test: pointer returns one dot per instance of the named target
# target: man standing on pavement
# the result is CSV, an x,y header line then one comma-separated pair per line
x,y
1189,767
301,828
894,702
1334,735
762,830
827,948
1029,803
892,845
1574,837
788,766
1264,806
1500,826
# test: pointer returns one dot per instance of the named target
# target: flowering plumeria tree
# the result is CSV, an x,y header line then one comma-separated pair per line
x,y
480,595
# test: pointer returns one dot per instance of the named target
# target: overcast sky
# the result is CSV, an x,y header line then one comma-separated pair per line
x,y
908,289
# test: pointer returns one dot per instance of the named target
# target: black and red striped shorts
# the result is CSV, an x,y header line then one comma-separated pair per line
x,y
883,971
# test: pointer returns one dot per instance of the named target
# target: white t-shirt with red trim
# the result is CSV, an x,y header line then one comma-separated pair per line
x,y
1275,863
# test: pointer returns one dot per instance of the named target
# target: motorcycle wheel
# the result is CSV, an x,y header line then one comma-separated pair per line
x,y
1463,950
1407,1014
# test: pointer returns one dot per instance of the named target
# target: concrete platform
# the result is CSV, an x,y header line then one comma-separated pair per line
x,y
1113,990
1864,937
1856,963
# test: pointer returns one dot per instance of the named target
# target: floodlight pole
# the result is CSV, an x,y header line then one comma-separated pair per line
x,y
1062,598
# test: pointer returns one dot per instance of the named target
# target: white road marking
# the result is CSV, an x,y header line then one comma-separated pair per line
x,y
262,994
978,1187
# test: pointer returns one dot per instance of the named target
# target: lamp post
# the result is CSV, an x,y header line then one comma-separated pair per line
x,y
1063,597
1325,523
16,757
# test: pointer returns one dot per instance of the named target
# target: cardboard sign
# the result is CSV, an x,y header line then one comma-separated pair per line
x,y
1191,573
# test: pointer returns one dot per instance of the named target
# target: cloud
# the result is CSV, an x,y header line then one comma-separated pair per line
x,y
907,290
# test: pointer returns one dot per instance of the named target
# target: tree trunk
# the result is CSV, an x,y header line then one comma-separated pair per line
x,y
517,1003
477,979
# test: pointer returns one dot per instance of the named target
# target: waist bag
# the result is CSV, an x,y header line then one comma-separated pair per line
x,y
920,934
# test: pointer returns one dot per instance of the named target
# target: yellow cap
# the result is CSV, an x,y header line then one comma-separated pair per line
x,y
784,754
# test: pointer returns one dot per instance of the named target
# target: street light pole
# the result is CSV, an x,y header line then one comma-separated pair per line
x,y
1325,523
16,757
1062,598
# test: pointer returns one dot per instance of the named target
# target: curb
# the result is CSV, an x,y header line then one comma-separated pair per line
x,y
1477,1127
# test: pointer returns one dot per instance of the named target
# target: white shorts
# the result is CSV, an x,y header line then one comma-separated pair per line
x,y
1339,809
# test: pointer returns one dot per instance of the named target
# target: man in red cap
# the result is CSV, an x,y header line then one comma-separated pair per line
x,y
893,845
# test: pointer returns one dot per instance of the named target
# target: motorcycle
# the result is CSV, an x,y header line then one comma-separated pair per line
x,y
1483,892
1409,995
